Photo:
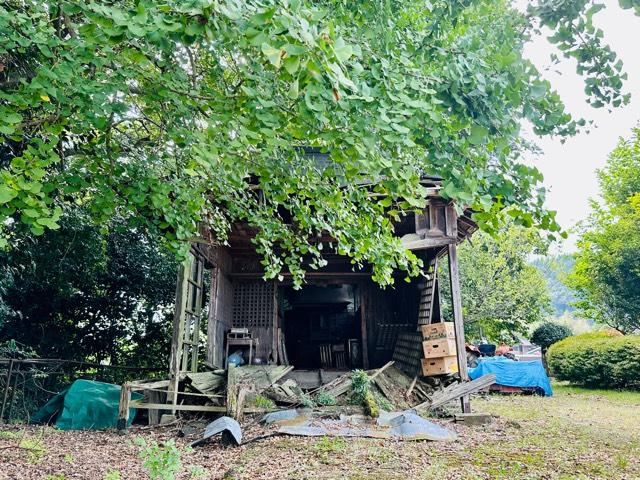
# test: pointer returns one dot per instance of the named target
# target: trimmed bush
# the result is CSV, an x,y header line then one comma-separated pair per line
x,y
600,359
549,333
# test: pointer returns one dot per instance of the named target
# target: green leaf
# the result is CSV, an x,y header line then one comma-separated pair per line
x,y
341,50
274,55
293,90
291,64
7,194
477,134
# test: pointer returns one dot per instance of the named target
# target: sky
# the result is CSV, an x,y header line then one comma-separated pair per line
x,y
569,169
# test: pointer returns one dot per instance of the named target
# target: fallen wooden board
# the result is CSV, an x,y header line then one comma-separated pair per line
x,y
257,378
206,382
453,392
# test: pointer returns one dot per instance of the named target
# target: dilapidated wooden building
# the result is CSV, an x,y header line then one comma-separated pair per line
x,y
339,320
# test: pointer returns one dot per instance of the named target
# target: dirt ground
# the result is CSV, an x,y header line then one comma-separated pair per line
x,y
576,434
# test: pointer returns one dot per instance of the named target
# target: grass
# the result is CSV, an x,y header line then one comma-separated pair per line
x,y
576,434
625,396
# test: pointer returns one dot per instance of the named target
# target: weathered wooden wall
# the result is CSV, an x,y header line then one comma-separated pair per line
x,y
220,308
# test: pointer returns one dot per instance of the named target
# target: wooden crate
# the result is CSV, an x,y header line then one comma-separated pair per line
x,y
438,330
439,366
444,347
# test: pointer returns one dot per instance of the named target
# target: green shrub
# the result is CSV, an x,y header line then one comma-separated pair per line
x,y
549,333
599,359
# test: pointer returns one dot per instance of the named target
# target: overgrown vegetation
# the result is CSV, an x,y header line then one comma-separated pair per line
x,y
361,393
601,360
170,114
607,270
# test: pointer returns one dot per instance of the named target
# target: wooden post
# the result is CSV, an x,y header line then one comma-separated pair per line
x,y
363,325
232,390
178,333
6,388
123,406
458,321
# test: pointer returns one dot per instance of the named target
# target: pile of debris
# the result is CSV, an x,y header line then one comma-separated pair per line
x,y
241,390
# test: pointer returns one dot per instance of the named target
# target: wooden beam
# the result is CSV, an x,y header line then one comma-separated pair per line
x,y
411,243
458,321
178,331
195,408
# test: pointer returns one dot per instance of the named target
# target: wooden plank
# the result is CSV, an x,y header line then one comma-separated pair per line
x,y
205,382
194,408
123,407
160,384
458,321
456,391
212,322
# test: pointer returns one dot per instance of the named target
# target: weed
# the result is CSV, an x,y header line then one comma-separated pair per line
x,y
260,401
330,445
34,447
383,403
360,383
10,435
162,461
621,462
197,471
306,400
68,458
112,475
56,476
325,399
327,446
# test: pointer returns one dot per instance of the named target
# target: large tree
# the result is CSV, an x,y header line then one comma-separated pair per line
x,y
80,293
188,112
607,269
502,293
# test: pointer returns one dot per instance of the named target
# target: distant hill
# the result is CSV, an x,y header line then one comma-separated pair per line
x,y
554,269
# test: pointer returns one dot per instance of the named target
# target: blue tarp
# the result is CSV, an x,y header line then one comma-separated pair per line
x,y
513,374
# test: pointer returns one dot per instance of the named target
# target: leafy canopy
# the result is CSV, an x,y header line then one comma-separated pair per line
x,y
185,113
607,270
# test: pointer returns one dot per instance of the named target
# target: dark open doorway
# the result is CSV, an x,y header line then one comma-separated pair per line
x,y
321,325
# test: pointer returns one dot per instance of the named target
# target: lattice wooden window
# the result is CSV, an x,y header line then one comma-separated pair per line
x,y
253,304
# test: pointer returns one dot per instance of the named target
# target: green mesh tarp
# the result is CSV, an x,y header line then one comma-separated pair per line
x,y
84,405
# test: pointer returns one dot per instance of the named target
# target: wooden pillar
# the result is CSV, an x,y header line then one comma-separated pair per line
x,y
363,324
178,333
458,321
123,407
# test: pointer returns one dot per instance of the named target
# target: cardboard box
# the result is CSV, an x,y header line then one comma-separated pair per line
x,y
439,366
438,330
443,347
